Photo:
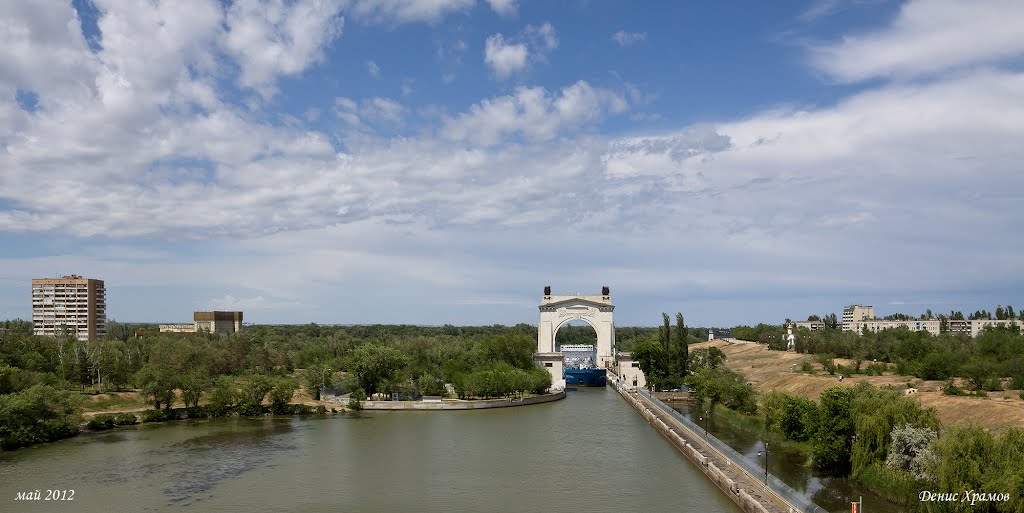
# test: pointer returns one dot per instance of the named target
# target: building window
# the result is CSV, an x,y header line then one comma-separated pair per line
x,y
636,364
547,364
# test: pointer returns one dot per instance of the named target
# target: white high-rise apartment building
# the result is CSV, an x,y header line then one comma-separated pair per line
x,y
70,304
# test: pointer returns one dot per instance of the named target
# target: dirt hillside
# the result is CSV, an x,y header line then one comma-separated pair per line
x,y
777,370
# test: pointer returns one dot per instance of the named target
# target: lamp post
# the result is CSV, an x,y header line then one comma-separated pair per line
x,y
766,452
705,420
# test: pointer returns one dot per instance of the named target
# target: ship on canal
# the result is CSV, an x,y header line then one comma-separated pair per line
x,y
579,369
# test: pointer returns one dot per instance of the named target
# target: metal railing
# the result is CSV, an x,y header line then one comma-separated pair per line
x,y
787,493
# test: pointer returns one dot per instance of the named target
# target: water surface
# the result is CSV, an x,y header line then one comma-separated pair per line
x,y
589,452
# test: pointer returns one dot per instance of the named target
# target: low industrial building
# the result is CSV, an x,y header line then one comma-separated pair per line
x,y
221,323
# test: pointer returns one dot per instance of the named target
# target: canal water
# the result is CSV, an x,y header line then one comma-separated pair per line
x,y
588,452
792,466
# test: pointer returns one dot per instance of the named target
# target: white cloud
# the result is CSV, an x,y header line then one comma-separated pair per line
x,y
270,38
508,57
533,113
374,111
543,36
504,7
246,305
405,11
373,69
624,38
928,36
137,140
504,59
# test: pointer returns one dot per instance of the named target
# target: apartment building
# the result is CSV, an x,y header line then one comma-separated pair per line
x,y
976,326
856,313
931,326
811,325
70,304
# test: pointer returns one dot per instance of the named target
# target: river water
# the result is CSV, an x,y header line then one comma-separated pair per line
x,y
588,452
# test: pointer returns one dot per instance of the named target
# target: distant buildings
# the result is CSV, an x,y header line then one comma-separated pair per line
x,y
860,318
70,304
223,323
856,313
930,325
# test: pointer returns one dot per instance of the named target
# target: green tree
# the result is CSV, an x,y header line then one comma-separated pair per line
x,y
798,419
223,396
429,384
192,387
978,371
682,356
651,357
156,385
282,394
373,365
721,385
38,414
831,445
708,357
876,413
666,334
255,389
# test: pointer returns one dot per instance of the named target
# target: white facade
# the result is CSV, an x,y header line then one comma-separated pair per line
x,y
811,325
856,313
556,311
629,370
931,326
977,325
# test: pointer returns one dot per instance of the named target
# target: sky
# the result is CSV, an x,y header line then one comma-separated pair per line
x,y
441,161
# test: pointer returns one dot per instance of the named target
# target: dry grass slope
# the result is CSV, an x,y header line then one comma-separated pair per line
x,y
774,370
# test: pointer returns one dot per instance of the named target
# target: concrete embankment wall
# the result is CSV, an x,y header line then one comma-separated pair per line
x,y
461,405
735,491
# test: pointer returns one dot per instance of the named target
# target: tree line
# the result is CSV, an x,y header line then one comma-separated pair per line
x,y
43,380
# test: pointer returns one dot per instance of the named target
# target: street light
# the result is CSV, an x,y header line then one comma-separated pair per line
x,y
705,420
766,452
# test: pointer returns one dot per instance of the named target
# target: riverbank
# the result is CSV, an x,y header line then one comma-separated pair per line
x,y
459,404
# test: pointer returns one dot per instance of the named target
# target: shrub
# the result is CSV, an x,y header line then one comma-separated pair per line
x,y
876,369
827,362
196,412
358,395
250,409
320,409
354,405
994,385
807,367
952,389
125,419
101,422
159,415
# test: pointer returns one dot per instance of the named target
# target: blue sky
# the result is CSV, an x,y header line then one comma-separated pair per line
x,y
431,162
